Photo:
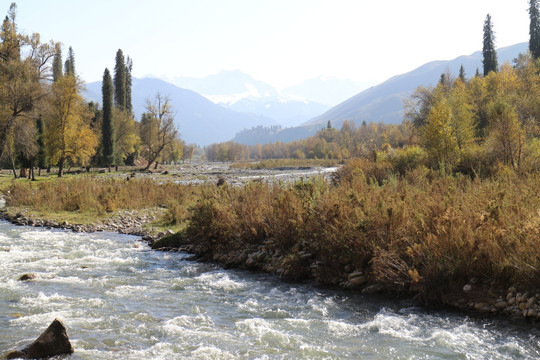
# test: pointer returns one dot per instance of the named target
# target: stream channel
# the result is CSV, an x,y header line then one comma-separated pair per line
x,y
121,300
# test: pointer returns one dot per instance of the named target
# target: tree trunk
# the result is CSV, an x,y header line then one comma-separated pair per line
x,y
12,164
31,175
61,167
116,167
156,166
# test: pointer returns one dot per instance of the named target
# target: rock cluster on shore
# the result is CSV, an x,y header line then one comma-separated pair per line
x,y
124,222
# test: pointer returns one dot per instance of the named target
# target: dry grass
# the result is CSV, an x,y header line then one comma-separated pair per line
x,y
422,232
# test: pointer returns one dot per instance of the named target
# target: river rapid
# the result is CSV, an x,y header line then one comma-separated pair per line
x,y
121,300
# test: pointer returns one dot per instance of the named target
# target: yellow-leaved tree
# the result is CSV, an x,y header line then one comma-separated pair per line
x,y
126,138
67,132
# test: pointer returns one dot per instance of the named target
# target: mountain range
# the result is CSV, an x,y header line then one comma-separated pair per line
x,y
240,92
232,101
198,119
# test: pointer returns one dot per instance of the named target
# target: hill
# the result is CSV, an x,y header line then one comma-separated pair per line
x,y
384,102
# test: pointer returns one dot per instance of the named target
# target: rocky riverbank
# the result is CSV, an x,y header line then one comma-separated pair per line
x,y
124,222
474,297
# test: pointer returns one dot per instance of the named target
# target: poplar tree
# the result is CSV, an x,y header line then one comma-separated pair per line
x,y
129,83
488,50
107,130
534,29
120,81
57,64
69,65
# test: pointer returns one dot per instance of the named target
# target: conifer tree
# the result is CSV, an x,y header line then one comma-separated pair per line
x,y
69,65
534,29
129,83
462,74
488,51
107,130
120,81
57,64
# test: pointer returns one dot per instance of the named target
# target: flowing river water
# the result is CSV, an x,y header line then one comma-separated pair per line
x,y
121,300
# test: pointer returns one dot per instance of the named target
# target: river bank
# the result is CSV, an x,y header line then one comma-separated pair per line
x,y
444,241
121,300
475,298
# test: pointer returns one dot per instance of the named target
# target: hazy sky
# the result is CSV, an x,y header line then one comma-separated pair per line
x,y
281,42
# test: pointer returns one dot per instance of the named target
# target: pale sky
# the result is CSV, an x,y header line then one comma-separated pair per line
x,y
281,42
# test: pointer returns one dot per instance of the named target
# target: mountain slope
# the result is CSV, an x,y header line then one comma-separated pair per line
x,y
240,92
325,90
384,102
199,120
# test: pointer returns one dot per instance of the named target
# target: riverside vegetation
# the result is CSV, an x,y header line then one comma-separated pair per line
x,y
423,233
444,207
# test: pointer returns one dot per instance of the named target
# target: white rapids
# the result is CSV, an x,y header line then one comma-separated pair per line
x,y
121,300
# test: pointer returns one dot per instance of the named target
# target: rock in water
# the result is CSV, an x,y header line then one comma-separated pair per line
x,y
26,277
54,341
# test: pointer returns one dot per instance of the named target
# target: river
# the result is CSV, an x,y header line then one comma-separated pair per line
x,y
121,300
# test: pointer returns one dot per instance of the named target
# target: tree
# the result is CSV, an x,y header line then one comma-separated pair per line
x,y
120,81
57,64
69,65
534,29
488,51
462,75
67,134
506,138
438,135
129,83
108,135
157,128
126,138
24,67
41,155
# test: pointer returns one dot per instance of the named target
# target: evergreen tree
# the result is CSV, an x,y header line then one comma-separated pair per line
x,y
57,64
120,81
129,83
462,74
488,51
107,130
534,28
69,65
41,157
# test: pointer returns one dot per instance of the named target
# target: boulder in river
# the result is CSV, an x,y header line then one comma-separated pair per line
x,y
27,277
53,341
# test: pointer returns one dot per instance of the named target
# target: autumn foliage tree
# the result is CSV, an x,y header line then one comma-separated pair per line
x,y
25,64
67,134
157,128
